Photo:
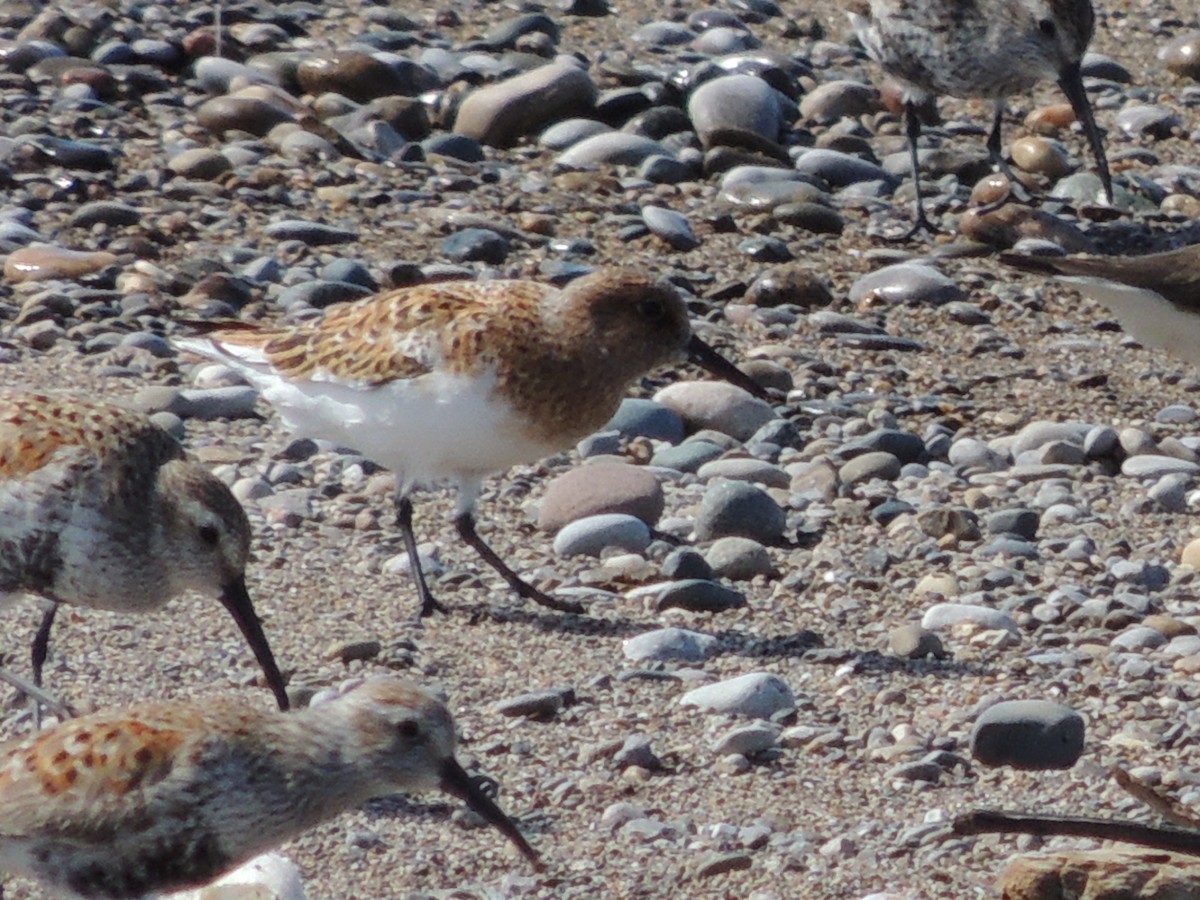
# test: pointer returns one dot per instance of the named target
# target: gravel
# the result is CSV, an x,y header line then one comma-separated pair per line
x,y
954,444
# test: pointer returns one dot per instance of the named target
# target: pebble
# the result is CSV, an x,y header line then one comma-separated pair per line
x,y
942,616
571,131
536,704
201,163
666,644
591,535
913,641
601,488
611,148
314,234
1149,121
690,456
735,105
716,405
46,262
686,562
906,283
206,404
637,751
671,226
739,559
1181,55
836,100
840,169
698,595
756,695
476,245
638,417
747,740
271,876
737,508
789,285
1156,467
1028,734
224,116
500,114
739,468
863,468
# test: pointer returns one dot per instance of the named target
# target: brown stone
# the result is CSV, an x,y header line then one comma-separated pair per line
x,y
599,488
1102,875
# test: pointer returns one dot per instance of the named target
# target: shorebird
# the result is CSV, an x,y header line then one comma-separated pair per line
x,y
1155,297
162,796
100,508
981,48
457,380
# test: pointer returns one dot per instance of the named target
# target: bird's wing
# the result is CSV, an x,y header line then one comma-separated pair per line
x,y
399,334
38,428
90,774
1169,273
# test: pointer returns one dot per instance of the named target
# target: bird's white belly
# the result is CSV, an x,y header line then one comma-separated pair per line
x,y
437,426
1147,316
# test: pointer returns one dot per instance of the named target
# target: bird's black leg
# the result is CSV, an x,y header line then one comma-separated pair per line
x,y
912,128
404,515
41,642
465,523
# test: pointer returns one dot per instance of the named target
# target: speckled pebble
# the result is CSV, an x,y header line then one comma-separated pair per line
x,y
739,559
737,508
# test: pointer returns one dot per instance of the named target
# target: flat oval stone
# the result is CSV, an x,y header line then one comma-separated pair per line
x,y
591,535
601,488
946,615
613,148
251,115
716,405
46,262
758,695
502,113
1028,734
911,283
699,595
670,644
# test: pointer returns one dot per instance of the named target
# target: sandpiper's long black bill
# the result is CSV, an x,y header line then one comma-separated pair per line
x,y
1071,81
236,599
708,358
456,782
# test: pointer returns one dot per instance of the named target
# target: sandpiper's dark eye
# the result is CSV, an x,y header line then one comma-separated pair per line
x,y
1047,27
652,309
210,535
408,728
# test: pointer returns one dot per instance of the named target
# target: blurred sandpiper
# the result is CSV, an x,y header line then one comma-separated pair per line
x,y
1155,297
100,508
984,48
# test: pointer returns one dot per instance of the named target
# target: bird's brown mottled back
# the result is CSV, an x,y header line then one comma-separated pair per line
x,y
35,427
